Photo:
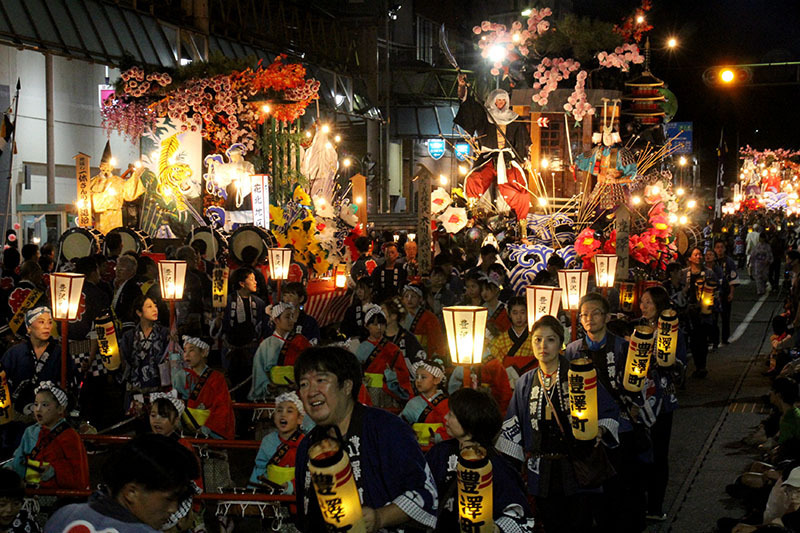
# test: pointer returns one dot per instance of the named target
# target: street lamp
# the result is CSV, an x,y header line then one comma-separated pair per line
x,y
465,326
573,283
726,75
172,277
672,42
65,295
542,300
280,259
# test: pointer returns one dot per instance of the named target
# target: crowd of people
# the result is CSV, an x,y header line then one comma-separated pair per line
x,y
381,382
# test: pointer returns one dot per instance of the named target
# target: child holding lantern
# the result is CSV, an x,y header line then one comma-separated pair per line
x,y
474,420
426,411
538,433
51,453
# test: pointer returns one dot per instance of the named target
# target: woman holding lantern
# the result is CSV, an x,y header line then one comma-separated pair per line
x,y
700,290
669,359
538,432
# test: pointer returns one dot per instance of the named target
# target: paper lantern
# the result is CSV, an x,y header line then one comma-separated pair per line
x,y
466,327
6,407
542,301
639,350
706,296
219,287
107,341
667,342
605,270
582,378
627,296
65,294
573,283
335,486
475,498
280,259
340,277
171,277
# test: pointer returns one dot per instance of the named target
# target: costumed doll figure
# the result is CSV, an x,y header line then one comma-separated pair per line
x,y
209,409
504,144
110,191
276,456
385,372
609,163
426,411
421,322
51,453
275,357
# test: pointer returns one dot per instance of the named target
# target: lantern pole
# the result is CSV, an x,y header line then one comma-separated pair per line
x,y
64,351
279,291
573,334
172,319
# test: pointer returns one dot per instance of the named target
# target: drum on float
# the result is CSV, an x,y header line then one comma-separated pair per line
x,y
216,241
133,240
687,238
79,242
255,236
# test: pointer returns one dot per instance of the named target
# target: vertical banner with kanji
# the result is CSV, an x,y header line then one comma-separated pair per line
x,y
219,287
260,199
84,202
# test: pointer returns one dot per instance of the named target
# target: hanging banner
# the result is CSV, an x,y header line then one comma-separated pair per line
x,y
259,195
219,287
436,148
84,196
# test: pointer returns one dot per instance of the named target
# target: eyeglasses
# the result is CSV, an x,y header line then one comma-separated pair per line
x,y
595,313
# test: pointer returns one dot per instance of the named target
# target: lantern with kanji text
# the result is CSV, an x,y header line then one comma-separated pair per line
x,y
667,342
219,287
107,341
65,298
337,494
475,498
542,300
627,296
582,380
640,348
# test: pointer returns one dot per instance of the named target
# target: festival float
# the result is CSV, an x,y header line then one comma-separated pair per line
x,y
768,179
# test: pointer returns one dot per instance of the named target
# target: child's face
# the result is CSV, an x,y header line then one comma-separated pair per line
x,y
162,425
286,321
411,299
425,381
46,409
473,289
519,316
192,355
250,283
286,418
291,298
376,329
489,293
363,293
9,508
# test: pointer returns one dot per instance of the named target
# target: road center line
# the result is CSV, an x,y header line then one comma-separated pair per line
x,y
741,328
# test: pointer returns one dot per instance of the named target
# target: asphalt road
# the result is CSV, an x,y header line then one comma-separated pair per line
x,y
714,414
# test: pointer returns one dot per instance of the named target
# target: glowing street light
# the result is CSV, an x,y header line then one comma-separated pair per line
x,y
726,75
545,163
672,42
680,191
497,53
691,204
640,19
682,161
346,162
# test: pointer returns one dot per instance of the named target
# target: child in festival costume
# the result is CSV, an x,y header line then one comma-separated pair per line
x,y
208,401
498,321
243,323
275,460
273,361
422,322
472,289
474,421
13,518
51,453
294,293
386,374
426,411
402,338
513,347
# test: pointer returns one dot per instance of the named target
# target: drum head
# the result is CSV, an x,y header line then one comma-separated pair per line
x,y
250,236
132,240
215,242
80,242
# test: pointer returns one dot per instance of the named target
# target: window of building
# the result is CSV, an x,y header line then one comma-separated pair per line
x,y
426,39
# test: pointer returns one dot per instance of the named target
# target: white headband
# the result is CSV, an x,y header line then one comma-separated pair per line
x,y
435,370
196,341
31,315
55,390
279,308
371,311
291,397
172,396
413,288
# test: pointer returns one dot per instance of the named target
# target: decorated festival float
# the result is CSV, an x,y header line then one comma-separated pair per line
x,y
228,156
768,179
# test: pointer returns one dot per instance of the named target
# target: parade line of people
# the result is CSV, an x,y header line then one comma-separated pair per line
x,y
381,383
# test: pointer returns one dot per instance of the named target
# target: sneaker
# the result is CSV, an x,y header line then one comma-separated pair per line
x,y
657,517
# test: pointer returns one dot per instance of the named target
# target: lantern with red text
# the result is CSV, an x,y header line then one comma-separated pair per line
x,y
639,349
582,379
335,486
667,342
107,341
475,498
